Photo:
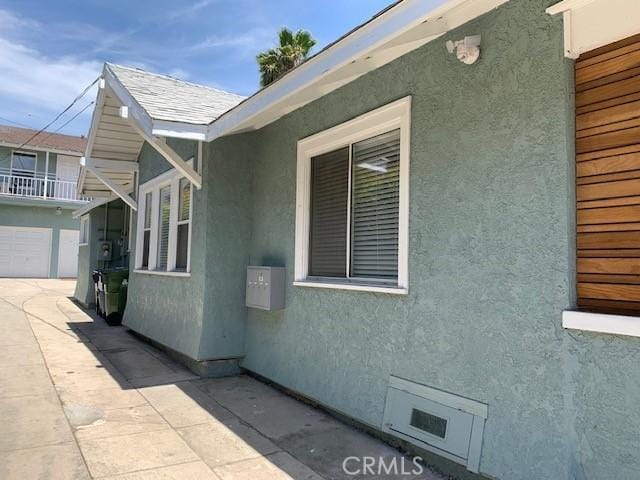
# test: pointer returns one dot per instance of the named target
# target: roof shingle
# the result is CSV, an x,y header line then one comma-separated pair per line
x,y
56,141
169,99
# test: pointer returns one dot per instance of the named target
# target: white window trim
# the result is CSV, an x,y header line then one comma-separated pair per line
x,y
601,323
169,178
396,115
84,231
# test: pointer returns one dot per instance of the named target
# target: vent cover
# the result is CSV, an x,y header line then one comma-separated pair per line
x,y
443,423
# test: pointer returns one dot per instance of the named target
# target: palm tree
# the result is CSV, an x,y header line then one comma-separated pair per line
x,y
293,49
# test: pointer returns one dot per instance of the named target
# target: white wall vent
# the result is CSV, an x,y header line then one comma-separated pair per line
x,y
443,423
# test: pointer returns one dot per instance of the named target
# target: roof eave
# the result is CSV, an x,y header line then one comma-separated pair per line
x,y
397,31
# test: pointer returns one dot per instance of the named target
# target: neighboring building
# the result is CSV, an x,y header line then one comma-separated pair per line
x,y
38,192
440,286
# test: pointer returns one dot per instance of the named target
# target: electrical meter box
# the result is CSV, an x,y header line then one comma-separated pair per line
x,y
265,288
104,251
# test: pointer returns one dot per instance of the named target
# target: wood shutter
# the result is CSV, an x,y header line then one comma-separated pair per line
x,y
328,225
375,207
608,177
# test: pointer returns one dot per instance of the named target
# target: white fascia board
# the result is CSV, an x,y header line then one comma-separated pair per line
x,y
397,21
91,205
93,129
566,5
165,128
601,323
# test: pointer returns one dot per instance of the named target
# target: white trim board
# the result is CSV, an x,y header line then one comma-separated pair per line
x,y
589,24
395,115
601,323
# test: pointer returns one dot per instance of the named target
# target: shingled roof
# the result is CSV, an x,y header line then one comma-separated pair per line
x,y
167,98
16,136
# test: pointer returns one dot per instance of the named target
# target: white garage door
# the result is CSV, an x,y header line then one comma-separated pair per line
x,y
24,252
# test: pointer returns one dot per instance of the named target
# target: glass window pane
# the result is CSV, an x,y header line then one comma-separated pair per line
x,y
182,247
145,248
185,199
163,227
375,206
147,209
23,164
328,225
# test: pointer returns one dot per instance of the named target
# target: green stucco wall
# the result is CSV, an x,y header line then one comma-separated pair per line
x,y
491,248
23,213
113,216
491,261
169,309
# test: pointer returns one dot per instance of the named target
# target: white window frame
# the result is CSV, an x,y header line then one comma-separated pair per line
x,y
84,230
169,178
395,115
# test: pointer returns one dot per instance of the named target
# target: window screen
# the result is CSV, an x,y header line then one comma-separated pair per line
x,y
329,203
163,227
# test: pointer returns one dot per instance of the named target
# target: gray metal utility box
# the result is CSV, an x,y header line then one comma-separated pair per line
x,y
265,288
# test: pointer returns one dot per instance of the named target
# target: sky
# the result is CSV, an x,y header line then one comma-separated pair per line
x,y
51,50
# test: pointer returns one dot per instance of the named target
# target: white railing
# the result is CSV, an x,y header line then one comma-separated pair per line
x,y
39,187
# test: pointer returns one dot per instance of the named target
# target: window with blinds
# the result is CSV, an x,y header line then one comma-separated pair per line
x,y
608,177
184,220
164,213
353,231
146,230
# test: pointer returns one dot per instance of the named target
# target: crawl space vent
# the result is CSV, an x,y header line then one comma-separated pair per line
x,y
438,421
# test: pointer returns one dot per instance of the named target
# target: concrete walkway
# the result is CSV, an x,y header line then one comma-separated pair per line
x,y
80,399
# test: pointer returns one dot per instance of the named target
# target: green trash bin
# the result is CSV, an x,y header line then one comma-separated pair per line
x,y
115,296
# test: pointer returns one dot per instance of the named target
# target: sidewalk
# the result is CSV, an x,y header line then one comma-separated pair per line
x,y
80,399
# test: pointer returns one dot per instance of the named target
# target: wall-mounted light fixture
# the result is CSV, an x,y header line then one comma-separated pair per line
x,y
58,211
467,50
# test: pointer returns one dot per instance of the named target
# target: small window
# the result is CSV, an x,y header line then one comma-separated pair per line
x,y
148,202
354,216
23,164
164,227
184,223
84,230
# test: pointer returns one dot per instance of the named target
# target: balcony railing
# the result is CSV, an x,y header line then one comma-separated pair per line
x,y
39,186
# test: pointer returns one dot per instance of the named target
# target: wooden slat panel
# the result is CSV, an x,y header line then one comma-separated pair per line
x,y
605,141
595,97
610,202
609,306
624,266
609,215
608,177
608,48
609,240
609,227
618,163
606,278
608,67
612,152
619,113
626,252
608,291
623,188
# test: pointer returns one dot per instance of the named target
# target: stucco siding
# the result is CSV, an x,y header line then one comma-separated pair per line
x,y
169,309
489,251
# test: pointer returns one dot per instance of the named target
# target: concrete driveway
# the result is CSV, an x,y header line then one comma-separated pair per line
x,y
80,399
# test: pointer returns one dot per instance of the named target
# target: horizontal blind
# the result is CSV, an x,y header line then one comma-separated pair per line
x,y
185,199
328,225
375,206
163,231
608,177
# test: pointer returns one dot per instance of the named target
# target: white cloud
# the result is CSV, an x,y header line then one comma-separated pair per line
x,y
40,81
